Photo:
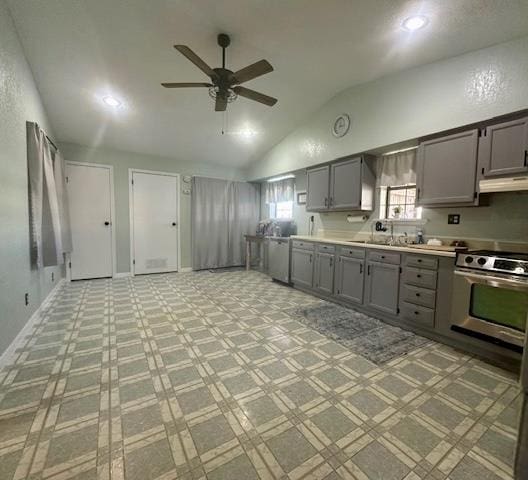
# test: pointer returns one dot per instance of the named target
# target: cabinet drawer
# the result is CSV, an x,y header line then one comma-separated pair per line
x,y
419,277
322,247
415,313
352,252
302,245
421,262
384,257
419,296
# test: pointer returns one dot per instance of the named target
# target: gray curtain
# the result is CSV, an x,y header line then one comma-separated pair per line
x,y
222,212
50,235
281,191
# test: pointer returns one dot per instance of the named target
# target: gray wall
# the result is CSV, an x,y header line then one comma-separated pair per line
x,y
122,161
19,102
504,220
408,105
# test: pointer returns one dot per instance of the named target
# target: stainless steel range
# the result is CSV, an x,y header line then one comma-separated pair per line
x,y
490,296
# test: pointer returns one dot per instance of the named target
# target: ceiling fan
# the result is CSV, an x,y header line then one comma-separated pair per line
x,y
225,84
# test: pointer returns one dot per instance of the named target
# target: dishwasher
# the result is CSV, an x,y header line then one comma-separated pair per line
x,y
279,259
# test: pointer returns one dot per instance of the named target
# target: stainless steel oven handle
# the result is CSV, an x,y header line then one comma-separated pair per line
x,y
492,278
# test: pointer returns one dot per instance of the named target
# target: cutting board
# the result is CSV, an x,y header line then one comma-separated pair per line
x,y
441,248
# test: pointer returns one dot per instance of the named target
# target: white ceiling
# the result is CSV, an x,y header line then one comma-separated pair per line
x,y
81,50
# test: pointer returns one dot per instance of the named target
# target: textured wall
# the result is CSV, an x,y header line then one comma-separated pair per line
x,y
407,105
121,162
19,102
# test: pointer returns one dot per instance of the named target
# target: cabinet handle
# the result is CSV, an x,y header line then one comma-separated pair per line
x,y
360,268
331,261
417,294
326,202
526,158
310,258
368,270
383,256
419,260
418,276
331,201
417,313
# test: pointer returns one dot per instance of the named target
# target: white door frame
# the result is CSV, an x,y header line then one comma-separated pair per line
x,y
131,171
112,215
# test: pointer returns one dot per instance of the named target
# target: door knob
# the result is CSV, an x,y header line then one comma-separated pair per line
x,y
107,223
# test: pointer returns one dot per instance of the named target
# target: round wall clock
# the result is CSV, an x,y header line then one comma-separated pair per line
x,y
341,125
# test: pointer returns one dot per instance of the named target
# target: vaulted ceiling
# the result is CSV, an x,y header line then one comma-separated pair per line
x,y
82,50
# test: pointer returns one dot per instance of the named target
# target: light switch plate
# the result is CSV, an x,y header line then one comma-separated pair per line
x,y
453,219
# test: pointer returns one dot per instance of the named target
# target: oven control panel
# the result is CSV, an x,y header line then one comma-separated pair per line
x,y
504,262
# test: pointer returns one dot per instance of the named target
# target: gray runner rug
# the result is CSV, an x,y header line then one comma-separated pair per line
x,y
364,335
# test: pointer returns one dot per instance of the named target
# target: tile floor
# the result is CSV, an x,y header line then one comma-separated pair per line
x,y
206,376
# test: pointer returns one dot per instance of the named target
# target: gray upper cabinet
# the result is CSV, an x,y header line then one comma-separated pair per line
x,y
349,281
302,268
345,187
347,184
383,283
324,273
318,183
504,148
447,170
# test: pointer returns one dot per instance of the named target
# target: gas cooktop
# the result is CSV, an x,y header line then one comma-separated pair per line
x,y
513,263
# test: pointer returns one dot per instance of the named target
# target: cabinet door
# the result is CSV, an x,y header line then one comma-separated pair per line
x,y
302,268
504,148
349,279
345,184
317,188
383,286
447,169
324,273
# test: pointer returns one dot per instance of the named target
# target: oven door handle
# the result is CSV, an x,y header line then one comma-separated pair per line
x,y
490,279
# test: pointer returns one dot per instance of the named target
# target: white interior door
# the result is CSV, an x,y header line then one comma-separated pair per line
x,y
90,199
154,222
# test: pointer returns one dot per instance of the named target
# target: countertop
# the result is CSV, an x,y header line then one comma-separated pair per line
x,y
416,250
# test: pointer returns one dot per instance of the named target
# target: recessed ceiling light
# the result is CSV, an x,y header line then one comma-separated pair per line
x,y
111,101
414,23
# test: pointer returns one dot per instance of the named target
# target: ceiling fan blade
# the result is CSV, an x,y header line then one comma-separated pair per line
x,y
252,71
256,96
187,52
221,103
186,85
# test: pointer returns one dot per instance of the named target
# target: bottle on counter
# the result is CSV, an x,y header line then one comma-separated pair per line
x,y
419,237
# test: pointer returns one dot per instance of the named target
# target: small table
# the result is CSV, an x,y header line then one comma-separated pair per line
x,y
252,238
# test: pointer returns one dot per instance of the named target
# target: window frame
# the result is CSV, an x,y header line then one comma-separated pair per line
x,y
272,207
385,202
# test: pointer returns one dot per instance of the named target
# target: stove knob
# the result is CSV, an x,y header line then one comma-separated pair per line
x,y
481,261
468,259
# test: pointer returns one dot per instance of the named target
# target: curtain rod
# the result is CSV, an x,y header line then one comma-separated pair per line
x,y
399,151
48,138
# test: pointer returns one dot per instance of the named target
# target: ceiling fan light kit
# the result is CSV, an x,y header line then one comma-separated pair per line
x,y
225,84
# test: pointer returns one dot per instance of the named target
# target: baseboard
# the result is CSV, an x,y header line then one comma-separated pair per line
x,y
186,269
123,275
9,352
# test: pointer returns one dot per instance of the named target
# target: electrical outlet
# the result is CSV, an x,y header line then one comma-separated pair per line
x,y
26,298
453,219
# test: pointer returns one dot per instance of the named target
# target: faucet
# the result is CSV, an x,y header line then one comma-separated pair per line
x,y
391,239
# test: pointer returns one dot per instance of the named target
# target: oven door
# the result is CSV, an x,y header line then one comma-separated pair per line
x,y
492,305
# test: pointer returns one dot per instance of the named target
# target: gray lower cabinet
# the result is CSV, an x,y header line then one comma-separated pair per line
x,y
349,280
317,189
383,283
324,272
302,268
504,148
447,170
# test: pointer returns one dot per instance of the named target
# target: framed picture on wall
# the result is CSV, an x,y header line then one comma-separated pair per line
x,y
301,198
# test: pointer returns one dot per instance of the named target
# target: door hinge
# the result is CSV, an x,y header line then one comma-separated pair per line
x,y
132,181
133,262
69,264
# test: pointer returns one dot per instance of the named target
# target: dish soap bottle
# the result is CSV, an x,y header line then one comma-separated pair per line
x,y
419,237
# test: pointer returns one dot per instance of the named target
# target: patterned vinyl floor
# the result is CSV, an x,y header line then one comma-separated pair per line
x,y
205,376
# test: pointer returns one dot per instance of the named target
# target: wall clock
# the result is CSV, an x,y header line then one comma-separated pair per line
x,y
341,125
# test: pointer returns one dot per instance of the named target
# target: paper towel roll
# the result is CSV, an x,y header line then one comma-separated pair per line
x,y
357,219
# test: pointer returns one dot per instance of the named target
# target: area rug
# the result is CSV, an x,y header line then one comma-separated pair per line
x,y
364,335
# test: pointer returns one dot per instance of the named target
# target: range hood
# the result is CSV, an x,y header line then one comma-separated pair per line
x,y
510,184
